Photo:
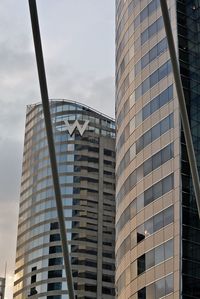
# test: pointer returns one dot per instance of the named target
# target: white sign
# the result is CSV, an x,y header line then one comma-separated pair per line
x,y
71,127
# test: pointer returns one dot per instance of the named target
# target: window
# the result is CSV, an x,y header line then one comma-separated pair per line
x,y
54,237
153,79
151,30
55,249
149,195
158,190
141,264
139,173
157,160
157,50
148,166
55,261
140,233
155,223
140,202
158,221
159,254
54,286
168,184
155,132
54,273
157,289
169,286
149,227
142,294
150,259
169,249
146,111
168,216
155,256
160,288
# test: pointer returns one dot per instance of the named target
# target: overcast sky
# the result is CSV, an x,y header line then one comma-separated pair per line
x,y
78,44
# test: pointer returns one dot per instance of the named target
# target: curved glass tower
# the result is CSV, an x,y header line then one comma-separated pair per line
x,y
85,148
148,147
157,224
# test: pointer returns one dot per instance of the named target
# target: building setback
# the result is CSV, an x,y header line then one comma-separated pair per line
x,y
157,225
85,149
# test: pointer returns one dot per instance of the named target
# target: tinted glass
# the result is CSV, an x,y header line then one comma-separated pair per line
x,y
169,286
158,221
169,249
159,254
168,216
150,259
149,229
160,288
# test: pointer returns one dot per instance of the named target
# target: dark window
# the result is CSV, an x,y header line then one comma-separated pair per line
x,y
142,294
55,261
54,273
140,233
55,249
54,286
54,237
54,225
141,264
108,291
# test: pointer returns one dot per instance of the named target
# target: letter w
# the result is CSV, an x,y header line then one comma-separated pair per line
x,y
71,128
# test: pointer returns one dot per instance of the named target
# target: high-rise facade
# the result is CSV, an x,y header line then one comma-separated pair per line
x,y
85,151
2,287
157,225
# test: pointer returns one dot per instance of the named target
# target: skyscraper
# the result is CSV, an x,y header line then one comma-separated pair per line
x,y
2,287
157,225
85,149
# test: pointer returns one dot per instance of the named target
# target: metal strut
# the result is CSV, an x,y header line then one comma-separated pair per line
x,y
182,104
50,139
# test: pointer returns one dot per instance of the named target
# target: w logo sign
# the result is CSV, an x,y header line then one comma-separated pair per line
x,y
72,127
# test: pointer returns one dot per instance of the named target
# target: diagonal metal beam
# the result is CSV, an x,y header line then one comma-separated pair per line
x,y
182,104
50,139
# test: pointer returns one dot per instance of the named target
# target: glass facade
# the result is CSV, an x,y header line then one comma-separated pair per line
x,y
188,19
85,151
148,147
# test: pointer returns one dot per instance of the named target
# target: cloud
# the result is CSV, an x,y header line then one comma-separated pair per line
x,y
78,43
89,89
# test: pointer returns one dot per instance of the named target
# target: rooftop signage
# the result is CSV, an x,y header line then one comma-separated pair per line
x,y
71,127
